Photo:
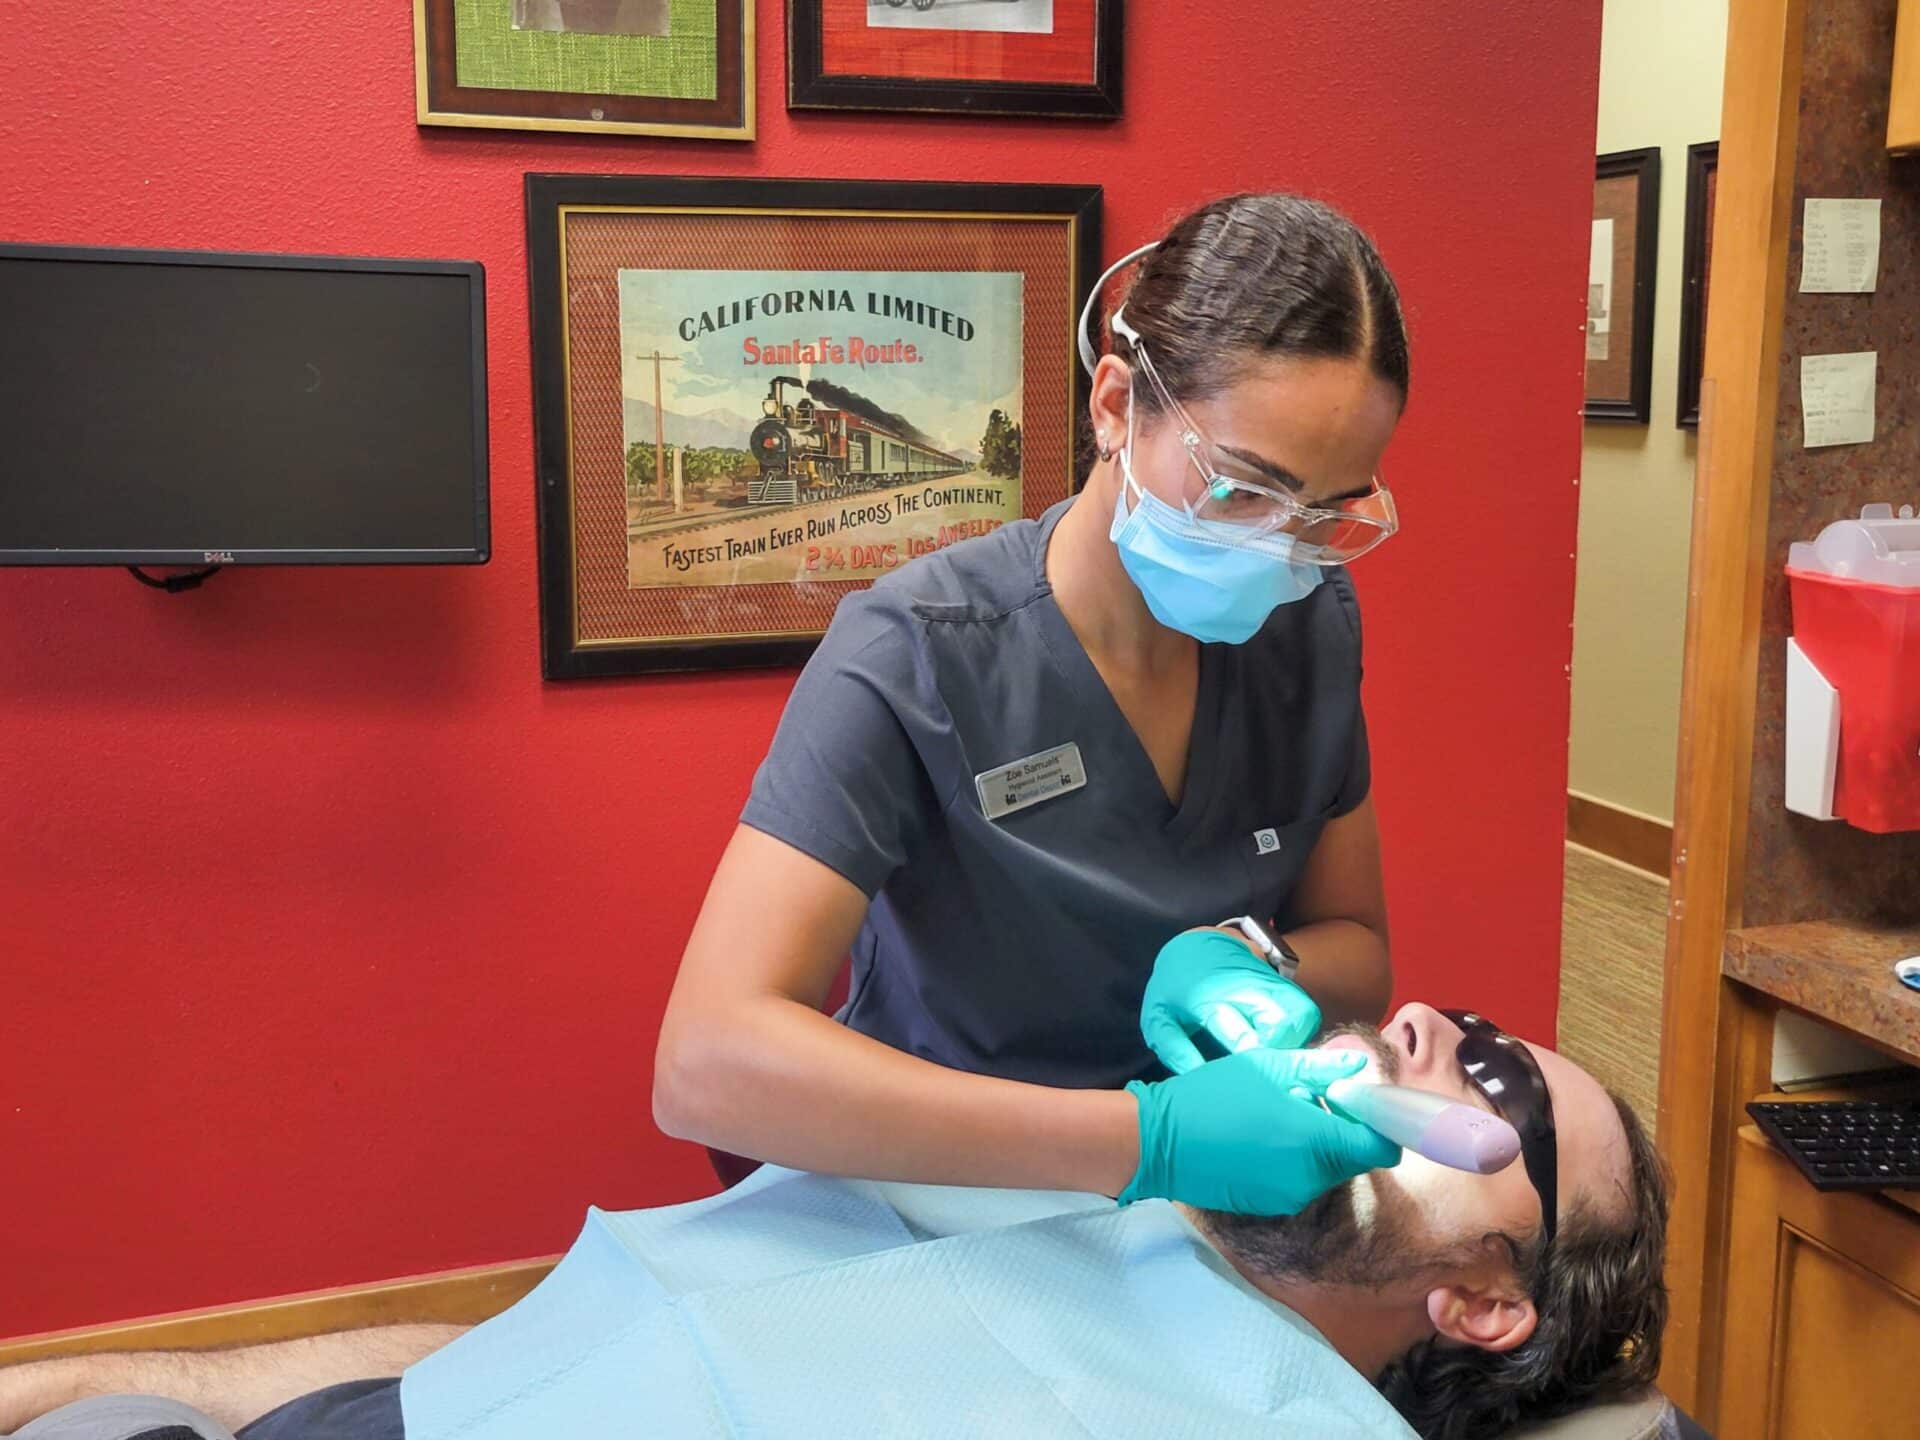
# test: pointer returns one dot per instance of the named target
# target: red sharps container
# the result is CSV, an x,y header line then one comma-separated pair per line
x,y
1856,631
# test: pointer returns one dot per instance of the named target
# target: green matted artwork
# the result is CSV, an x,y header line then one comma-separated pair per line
x,y
669,56
649,67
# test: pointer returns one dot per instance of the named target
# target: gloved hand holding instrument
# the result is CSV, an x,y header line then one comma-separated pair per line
x,y
1246,1133
1208,984
1208,981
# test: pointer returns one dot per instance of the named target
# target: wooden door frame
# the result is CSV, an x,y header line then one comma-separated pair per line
x,y
1708,1052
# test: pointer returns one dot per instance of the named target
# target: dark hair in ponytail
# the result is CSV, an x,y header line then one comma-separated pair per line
x,y
1254,275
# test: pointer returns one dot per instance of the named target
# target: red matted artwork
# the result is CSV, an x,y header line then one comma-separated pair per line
x,y
990,57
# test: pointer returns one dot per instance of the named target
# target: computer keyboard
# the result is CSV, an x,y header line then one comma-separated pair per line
x,y
1847,1144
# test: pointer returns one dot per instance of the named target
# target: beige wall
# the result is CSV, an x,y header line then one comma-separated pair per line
x,y
1660,70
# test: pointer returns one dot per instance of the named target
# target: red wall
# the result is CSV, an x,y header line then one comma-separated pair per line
x,y
334,941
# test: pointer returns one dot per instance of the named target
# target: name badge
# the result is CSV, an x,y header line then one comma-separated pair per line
x,y
1029,781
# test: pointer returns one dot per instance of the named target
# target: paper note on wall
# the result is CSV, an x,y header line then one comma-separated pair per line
x,y
1840,247
1836,397
1599,289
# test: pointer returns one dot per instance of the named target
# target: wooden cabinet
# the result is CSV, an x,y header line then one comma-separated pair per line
x,y
1795,1312
1903,107
1822,1332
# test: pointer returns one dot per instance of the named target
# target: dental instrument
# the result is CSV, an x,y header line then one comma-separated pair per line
x,y
1445,1131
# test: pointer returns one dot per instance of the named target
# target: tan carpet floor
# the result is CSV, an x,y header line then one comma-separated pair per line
x,y
1613,941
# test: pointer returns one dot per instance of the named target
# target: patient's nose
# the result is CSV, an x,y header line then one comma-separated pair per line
x,y
1424,1039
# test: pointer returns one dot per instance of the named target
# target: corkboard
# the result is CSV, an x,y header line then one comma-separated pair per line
x,y
1800,869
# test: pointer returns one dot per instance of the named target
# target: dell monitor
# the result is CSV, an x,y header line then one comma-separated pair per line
x,y
165,407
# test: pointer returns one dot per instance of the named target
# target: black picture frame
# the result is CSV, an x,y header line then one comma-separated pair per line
x,y
1703,164
1636,406
563,655
809,87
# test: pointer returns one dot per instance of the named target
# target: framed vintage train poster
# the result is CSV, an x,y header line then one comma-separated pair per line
x,y
752,397
633,67
979,57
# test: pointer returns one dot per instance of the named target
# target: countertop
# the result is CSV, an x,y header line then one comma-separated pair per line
x,y
1837,971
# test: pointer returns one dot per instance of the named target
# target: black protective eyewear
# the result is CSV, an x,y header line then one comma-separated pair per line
x,y
1504,1070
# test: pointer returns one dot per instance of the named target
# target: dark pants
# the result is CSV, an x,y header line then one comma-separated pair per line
x,y
357,1410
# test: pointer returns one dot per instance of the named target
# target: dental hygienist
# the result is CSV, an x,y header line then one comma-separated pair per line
x,y
1019,775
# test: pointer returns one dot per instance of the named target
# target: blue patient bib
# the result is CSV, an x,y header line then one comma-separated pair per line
x,y
797,1306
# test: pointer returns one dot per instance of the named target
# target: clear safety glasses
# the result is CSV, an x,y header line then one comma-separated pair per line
x,y
1323,535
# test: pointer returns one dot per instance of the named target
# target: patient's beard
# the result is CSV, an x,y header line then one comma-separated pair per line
x,y
1328,1243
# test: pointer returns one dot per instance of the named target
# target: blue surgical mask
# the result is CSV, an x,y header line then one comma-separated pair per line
x,y
1205,578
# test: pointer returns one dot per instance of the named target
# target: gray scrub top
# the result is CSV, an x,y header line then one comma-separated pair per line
x,y
1020,946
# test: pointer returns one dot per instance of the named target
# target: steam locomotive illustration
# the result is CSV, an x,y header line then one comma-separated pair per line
x,y
811,451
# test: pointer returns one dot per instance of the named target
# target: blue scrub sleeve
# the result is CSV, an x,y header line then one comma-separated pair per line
x,y
843,780
1359,781
1359,778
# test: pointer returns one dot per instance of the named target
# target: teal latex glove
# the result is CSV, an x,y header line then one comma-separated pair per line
x,y
1207,980
1244,1133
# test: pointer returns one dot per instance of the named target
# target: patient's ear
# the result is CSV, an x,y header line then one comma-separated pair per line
x,y
1489,1317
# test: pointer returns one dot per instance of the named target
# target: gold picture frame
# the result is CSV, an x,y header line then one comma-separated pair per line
x,y
492,85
